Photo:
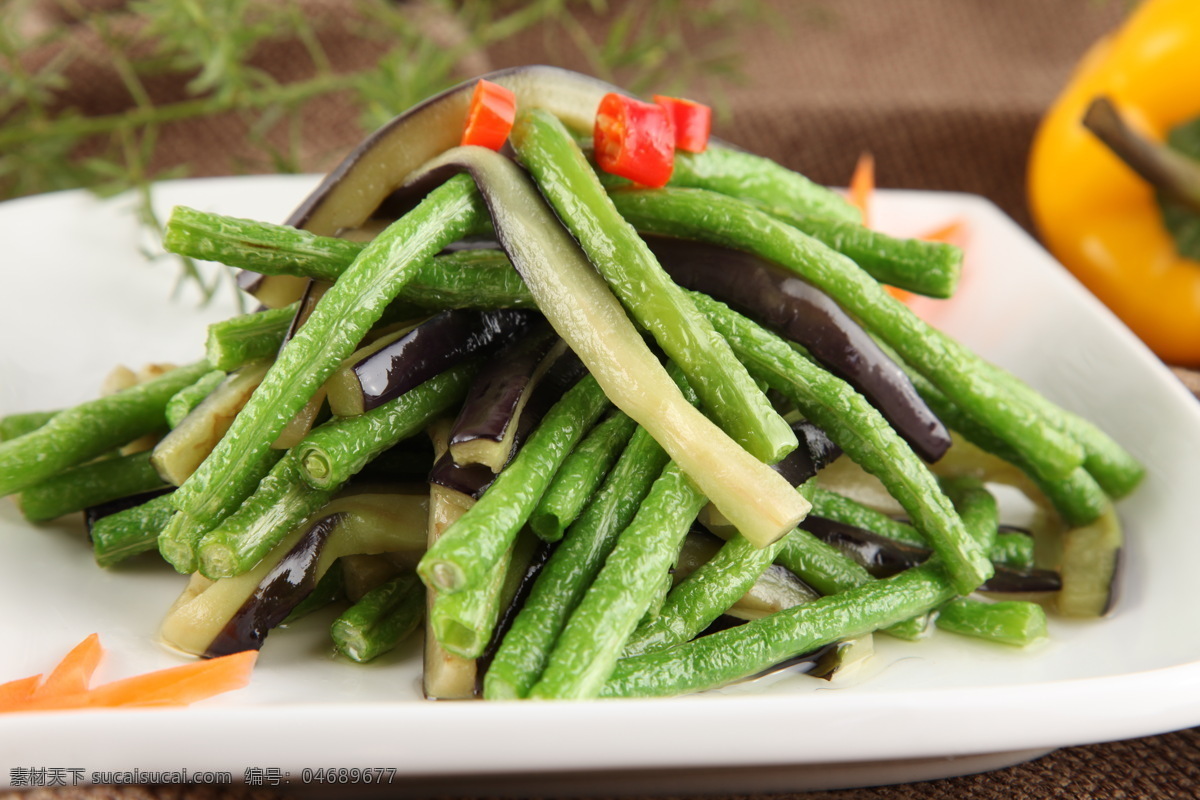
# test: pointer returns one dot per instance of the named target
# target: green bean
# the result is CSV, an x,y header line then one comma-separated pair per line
x,y
745,175
704,595
271,250
521,657
14,425
338,322
90,429
340,448
857,427
929,268
449,280
465,622
962,375
383,618
1077,497
1116,471
1015,622
131,531
579,476
239,340
281,502
829,571
89,484
1011,548
590,645
740,652
187,398
743,651
466,552
726,392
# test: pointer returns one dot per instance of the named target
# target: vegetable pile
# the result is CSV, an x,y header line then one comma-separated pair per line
x,y
544,368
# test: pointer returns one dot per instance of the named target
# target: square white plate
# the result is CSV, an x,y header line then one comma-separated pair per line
x,y
78,298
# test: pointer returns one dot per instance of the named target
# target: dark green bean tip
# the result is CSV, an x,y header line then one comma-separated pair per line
x,y
316,466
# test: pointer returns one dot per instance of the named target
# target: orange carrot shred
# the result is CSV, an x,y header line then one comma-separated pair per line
x,y
74,672
953,232
18,691
862,185
67,685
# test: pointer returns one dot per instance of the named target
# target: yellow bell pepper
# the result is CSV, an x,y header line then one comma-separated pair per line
x,y
1094,213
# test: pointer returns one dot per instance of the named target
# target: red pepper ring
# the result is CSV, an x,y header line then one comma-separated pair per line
x,y
634,140
692,122
490,116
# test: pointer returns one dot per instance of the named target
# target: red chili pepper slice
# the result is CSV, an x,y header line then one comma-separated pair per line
x,y
634,140
692,122
490,117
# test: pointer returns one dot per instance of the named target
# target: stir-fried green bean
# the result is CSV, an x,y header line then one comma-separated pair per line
x,y
91,429
89,484
338,322
707,216
726,392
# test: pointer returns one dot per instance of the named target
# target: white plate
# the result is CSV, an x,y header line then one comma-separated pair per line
x,y
77,298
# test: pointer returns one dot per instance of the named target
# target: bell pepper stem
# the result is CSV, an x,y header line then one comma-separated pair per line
x,y
1166,169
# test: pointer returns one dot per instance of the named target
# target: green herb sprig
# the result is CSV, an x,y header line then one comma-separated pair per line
x,y
209,49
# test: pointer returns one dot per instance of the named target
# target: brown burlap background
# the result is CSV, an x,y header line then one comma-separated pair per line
x,y
945,93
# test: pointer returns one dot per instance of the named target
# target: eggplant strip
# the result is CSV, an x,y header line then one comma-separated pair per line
x,y
797,310
699,214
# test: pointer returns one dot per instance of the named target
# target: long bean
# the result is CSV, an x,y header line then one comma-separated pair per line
x,y
726,392
340,448
466,552
590,645
743,651
238,340
127,533
380,620
187,398
90,429
522,655
1016,622
861,432
580,475
337,324
89,484
14,425
929,268
961,374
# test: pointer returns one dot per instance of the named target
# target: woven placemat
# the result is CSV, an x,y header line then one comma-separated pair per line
x,y
945,94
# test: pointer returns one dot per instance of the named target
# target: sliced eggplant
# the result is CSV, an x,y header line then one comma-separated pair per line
x,y
231,614
486,427
429,349
474,479
178,454
350,194
799,311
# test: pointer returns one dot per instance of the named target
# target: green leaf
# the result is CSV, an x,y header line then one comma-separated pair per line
x,y
1182,223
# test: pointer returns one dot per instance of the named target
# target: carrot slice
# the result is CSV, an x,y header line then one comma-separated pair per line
x,y
67,685
74,672
18,691
862,185
953,232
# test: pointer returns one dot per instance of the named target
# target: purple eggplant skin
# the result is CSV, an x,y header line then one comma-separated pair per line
x,y
474,479
432,347
804,314
281,589
815,451
350,194
884,557
496,391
